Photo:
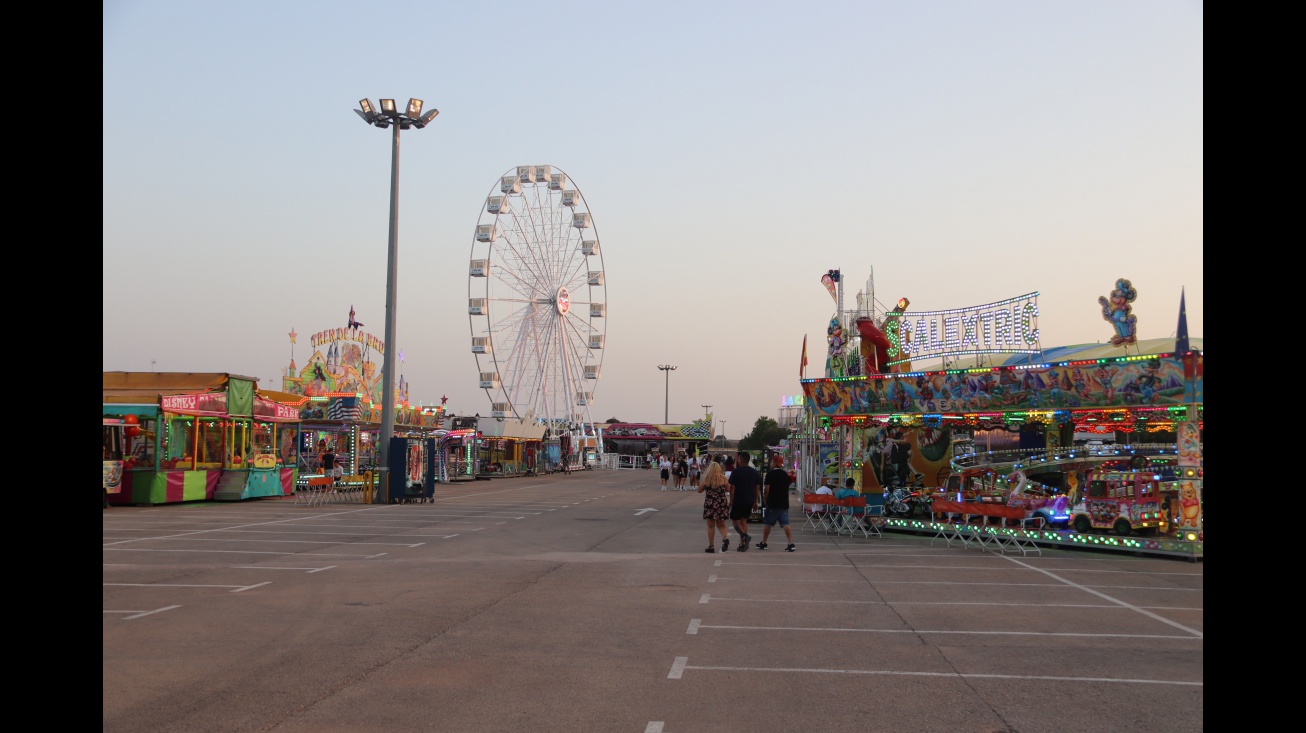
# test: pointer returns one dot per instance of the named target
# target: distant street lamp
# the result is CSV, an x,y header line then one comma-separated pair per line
x,y
707,410
387,117
666,369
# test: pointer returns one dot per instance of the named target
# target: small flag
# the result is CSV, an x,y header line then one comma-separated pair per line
x,y
802,368
343,408
1181,335
829,282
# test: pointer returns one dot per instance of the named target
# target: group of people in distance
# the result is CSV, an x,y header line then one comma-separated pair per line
x,y
680,469
732,489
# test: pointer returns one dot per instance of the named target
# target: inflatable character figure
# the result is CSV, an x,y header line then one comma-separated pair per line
x,y
1117,312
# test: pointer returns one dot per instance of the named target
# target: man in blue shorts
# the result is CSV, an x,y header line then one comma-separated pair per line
x,y
775,506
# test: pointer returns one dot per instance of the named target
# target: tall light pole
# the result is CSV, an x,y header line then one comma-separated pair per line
x,y
707,410
666,369
389,116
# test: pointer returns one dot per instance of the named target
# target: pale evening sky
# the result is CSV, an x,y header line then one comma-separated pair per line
x,y
730,154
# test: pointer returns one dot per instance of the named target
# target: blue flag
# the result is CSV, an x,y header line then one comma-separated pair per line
x,y
1181,334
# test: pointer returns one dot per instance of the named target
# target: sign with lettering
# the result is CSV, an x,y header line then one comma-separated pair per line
x,y
1005,327
202,403
348,334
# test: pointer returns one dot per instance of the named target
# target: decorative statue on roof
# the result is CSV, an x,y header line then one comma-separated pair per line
x,y
834,356
1118,312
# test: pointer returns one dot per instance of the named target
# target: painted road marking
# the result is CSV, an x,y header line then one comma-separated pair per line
x,y
682,663
694,625
295,542
644,510
138,614
957,567
947,582
271,567
244,552
678,668
1162,619
698,626
704,599
654,726
238,588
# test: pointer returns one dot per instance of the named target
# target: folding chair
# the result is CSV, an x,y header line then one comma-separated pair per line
x,y
809,510
873,517
830,518
853,512
319,490
816,507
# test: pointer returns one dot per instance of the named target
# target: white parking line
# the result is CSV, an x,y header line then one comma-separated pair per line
x,y
682,663
952,567
292,542
654,726
271,567
138,614
242,552
696,626
706,597
238,588
678,668
1104,596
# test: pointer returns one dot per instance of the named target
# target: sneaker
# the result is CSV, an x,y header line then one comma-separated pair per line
x,y
725,544
743,543
791,548
761,545
710,549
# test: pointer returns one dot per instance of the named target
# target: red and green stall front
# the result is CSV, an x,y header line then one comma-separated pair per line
x,y
224,443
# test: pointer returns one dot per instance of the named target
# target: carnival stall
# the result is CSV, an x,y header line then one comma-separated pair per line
x,y
338,394
508,447
874,417
638,439
200,436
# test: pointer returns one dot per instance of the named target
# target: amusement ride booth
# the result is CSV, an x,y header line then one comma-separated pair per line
x,y
1003,409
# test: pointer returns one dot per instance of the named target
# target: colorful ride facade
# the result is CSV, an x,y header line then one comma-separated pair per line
x,y
872,418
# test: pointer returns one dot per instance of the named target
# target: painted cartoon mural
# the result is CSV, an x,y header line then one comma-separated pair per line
x,y
1127,381
894,455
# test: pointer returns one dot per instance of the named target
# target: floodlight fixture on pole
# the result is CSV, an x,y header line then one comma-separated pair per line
x,y
385,118
666,369
707,410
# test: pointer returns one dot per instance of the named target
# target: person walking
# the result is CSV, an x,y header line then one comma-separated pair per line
x,y
695,472
664,469
682,464
775,502
744,480
716,506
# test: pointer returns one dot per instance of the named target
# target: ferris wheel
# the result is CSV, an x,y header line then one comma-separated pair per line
x,y
537,303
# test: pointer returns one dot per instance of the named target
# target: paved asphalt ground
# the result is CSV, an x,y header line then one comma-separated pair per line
x,y
560,603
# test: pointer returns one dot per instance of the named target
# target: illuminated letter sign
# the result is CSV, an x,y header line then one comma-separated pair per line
x,y
1006,327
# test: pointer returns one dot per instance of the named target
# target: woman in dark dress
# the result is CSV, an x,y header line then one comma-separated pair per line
x,y
716,505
